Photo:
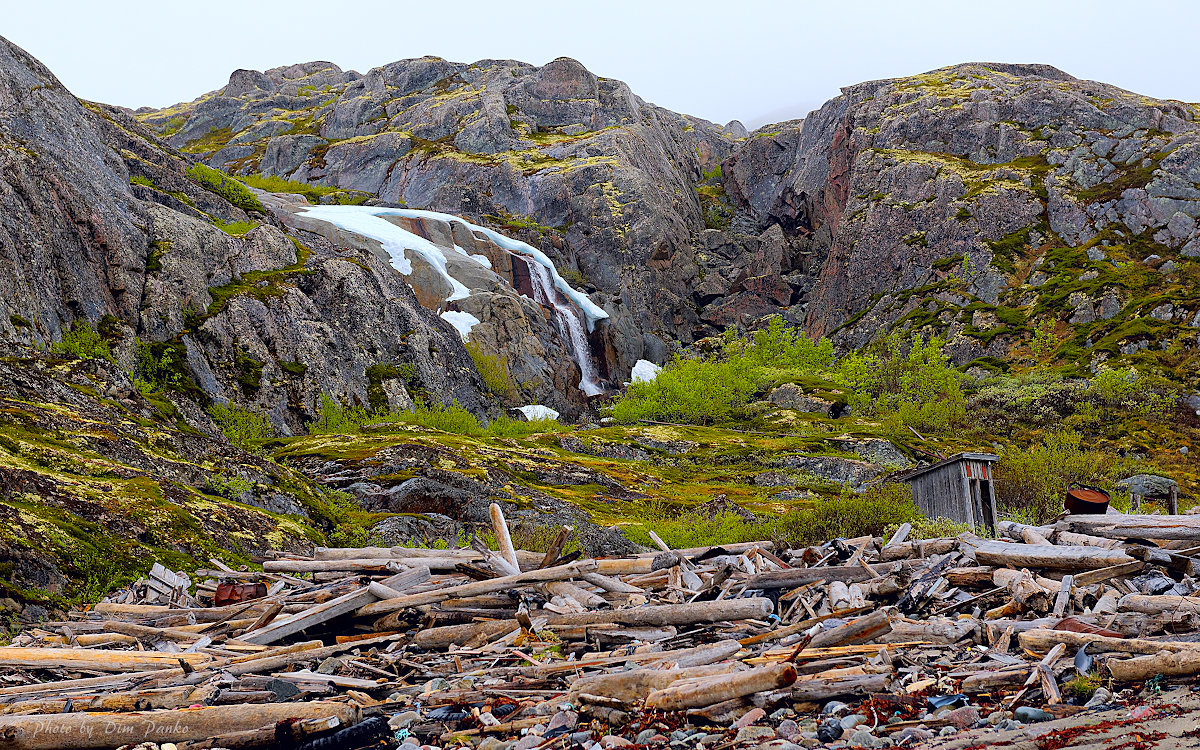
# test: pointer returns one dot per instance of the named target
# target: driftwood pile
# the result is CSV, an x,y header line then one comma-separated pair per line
x,y
864,641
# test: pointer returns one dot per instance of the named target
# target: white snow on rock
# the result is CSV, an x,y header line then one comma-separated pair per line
x,y
644,371
537,411
368,222
462,322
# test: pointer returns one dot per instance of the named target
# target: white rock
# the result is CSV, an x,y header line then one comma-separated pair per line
x,y
644,371
537,411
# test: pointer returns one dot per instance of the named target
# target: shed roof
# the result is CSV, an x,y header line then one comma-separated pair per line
x,y
989,457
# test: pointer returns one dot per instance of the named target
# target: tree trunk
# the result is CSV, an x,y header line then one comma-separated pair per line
x,y
705,691
1052,557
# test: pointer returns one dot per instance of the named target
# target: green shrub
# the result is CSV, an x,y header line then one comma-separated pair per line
x,y
1033,479
848,516
502,426
159,365
234,228
82,341
916,388
273,184
784,347
1126,390
143,181
229,487
244,428
335,418
688,390
225,186
493,368
693,528
1035,399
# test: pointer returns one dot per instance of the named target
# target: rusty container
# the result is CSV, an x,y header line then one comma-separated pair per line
x,y
235,593
1084,500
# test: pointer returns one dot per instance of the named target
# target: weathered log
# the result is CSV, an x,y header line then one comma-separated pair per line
x,y
97,660
1086,540
986,682
1116,526
1048,557
77,731
919,548
860,630
974,576
820,687
705,691
332,609
560,573
635,685
692,613
1029,594
942,631
1183,663
1153,605
788,579
1043,640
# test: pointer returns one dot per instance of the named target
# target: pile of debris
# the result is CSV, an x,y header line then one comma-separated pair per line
x,y
856,642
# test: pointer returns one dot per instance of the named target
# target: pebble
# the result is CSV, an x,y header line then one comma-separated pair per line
x,y
1030,714
612,740
782,713
1099,698
562,721
863,738
548,708
963,717
853,720
1009,724
948,731
919,734
834,707
168,746
644,736
404,720
755,734
528,742
995,717
579,738
749,718
493,743
711,739
830,730
788,729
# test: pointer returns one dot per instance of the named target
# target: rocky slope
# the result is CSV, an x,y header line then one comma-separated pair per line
x,y
983,201
612,188
104,223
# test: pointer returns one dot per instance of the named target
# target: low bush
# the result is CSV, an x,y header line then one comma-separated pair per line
x,y
216,181
82,341
244,428
848,516
688,390
493,368
229,487
1033,480
910,382
273,184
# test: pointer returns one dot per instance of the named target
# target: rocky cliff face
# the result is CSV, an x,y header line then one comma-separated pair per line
x,y
612,188
101,219
980,201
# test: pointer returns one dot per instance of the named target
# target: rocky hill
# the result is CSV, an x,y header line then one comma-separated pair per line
x,y
982,202
498,235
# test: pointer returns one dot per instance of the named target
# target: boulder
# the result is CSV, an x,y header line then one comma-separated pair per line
x,y
1149,485
792,396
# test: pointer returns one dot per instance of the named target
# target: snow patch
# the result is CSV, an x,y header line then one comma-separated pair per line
x,y
462,322
537,411
644,371
368,221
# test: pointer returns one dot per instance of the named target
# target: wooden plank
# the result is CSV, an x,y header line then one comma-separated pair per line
x,y
336,607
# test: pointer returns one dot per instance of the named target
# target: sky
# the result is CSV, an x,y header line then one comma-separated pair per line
x,y
751,60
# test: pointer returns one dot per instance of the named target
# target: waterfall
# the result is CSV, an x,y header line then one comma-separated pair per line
x,y
570,326
575,314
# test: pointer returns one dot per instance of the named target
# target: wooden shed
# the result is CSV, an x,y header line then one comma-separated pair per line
x,y
959,488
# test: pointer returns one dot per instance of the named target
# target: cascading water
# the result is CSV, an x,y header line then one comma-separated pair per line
x,y
575,314
570,327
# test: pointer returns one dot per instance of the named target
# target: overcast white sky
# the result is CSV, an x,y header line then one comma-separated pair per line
x,y
747,59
